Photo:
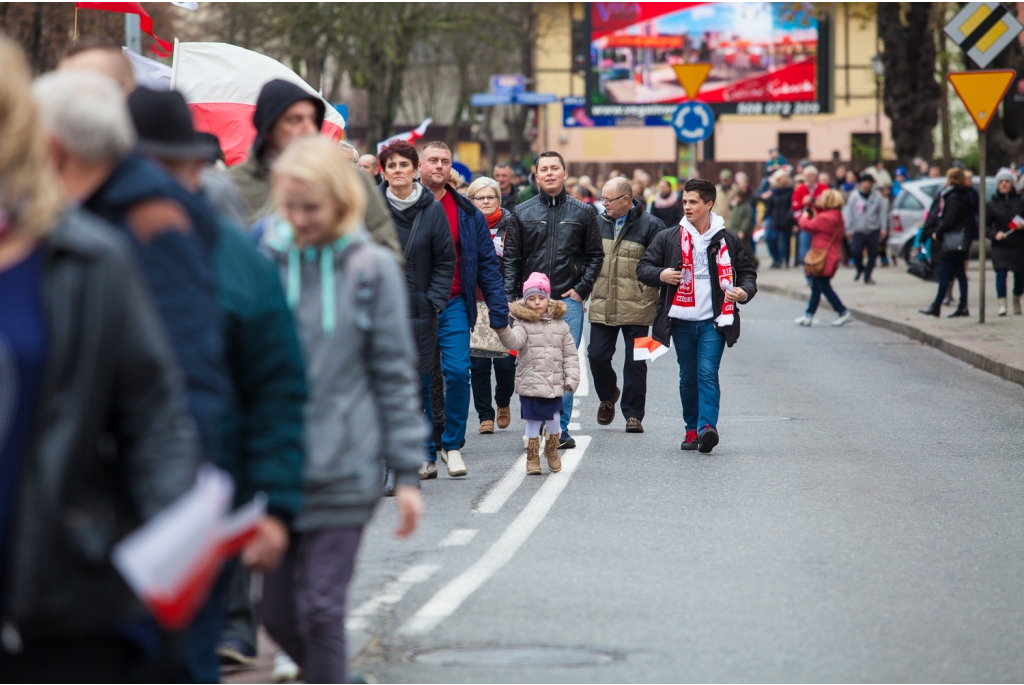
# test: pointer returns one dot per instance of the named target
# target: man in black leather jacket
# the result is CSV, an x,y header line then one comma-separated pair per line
x,y
558,236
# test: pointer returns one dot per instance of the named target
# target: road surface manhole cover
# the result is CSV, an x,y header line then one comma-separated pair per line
x,y
514,657
755,419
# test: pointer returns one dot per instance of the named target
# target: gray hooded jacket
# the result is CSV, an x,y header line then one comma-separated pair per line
x,y
363,411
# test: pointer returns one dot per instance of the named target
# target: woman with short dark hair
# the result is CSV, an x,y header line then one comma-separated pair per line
x,y
429,252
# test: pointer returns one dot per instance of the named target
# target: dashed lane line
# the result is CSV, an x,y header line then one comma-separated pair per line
x,y
496,498
391,595
458,537
449,598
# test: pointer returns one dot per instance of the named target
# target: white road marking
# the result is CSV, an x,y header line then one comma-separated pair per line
x,y
575,413
497,497
573,426
391,594
448,599
458,537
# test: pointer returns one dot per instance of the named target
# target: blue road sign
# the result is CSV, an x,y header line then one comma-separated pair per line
x,y
693,122
491,99
530,98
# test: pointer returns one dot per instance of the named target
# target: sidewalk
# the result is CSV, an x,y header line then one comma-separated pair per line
x,y
997,346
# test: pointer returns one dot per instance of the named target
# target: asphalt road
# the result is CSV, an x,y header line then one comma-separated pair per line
x,y
861,520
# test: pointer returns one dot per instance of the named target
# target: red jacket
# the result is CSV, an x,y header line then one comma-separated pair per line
x,y
827,225
801,192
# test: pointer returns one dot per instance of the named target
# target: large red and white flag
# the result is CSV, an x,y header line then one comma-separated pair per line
x,y
172,562
221,83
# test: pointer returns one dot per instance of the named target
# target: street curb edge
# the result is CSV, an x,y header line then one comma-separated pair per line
x,y
976,359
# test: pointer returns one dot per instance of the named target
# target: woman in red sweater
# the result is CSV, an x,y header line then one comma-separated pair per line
x,y
826,228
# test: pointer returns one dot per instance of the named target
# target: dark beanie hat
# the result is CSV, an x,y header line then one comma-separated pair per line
x,y
275,98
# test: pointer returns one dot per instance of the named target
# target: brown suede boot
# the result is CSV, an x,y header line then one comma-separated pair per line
x,y
551,453
533,457
504,417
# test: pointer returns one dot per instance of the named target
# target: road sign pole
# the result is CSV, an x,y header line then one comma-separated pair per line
x,y
693,160
982,136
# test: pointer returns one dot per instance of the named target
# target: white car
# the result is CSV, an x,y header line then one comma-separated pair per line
x,y
910,208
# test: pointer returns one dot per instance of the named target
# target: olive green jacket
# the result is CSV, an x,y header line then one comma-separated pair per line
x,y
619,298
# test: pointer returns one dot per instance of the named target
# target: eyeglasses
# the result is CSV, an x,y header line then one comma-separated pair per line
x,y
484,198
614,199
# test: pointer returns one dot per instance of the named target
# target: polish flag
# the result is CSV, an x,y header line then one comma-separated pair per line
x,y
172,562
145,21
757,234
411,136
647,349
221,83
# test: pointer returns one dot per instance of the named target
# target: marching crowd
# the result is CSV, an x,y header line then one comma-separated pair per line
x,y
301,321
316,322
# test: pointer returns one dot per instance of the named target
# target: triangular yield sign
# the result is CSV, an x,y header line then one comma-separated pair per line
x,y
981,92
691,77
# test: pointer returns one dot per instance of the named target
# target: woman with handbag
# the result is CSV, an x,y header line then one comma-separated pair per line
x,y
486,350
826,228
952,236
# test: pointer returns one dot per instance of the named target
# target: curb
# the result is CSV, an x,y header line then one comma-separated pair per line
x,y
993,366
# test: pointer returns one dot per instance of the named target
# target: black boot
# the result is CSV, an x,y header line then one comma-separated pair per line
x,y
933,310
960,311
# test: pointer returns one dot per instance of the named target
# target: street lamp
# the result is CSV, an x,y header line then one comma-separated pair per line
x,y
878,67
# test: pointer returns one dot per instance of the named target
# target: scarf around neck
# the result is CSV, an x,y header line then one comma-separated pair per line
x,y
402,205
493,219
686,296
665,202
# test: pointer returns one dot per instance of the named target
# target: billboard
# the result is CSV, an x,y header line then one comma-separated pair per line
x,y
764,57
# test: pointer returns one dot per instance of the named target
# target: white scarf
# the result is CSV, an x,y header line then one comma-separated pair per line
x,y
692,301
402,205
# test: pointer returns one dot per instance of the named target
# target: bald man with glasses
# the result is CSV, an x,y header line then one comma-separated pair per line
x,y
620,304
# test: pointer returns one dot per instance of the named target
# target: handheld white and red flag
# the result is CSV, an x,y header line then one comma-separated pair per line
x,y
411,136
647,349
145,21
757,234
172,562
221,83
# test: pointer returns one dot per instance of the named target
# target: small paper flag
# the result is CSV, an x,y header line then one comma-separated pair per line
x,y
758,233
647,349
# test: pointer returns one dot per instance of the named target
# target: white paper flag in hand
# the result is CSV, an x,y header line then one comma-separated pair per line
x,y
647,349
172,562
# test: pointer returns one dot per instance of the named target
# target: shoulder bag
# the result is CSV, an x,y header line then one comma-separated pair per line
x,y
814,260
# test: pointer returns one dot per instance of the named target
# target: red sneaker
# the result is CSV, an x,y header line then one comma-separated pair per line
x,y
690,443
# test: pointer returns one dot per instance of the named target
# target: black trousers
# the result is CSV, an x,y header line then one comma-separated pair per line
x,y
505,383
634,374
861,241
948,270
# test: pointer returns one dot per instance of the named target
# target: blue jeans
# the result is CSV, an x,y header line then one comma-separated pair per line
x,y
783,250
771,239
803,246
573,317
699,350
453,339
820,285
1018,283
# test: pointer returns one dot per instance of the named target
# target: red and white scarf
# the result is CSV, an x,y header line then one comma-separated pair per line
x,y
686,294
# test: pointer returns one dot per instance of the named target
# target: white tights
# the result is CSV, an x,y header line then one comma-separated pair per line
x,y
553,426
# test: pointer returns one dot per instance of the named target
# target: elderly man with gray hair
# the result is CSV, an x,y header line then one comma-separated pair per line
x,y
621,304
91,136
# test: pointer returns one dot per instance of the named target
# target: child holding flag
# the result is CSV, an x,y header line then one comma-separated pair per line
x,y
548,366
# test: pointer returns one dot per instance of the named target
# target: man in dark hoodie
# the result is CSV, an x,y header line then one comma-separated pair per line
x,y
91,136
284,112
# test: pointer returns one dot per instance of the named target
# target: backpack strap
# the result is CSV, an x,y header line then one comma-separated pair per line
x,y
360,267
412,237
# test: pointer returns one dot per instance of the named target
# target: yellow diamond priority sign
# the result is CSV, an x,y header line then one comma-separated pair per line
x,y
983,30
981,92
692,76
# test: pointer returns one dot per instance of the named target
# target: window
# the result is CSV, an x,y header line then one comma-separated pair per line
x,y
793,146
908,201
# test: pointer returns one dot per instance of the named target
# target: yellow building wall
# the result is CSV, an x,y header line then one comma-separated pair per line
x,y
737,138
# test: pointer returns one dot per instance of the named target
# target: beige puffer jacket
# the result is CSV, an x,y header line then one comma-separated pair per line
x,y
548,364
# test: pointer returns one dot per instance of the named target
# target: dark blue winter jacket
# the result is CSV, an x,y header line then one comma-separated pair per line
x,y
478,263
174,234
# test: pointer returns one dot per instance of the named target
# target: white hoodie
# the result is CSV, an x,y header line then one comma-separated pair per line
x,y
702,309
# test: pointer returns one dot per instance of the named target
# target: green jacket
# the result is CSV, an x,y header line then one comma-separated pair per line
x,y
262,429
619,298
252,178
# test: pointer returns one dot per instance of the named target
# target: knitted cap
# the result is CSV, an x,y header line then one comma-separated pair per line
x,y
1004,174
537,284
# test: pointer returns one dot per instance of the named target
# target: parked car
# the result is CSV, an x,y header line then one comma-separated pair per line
x,y
910,208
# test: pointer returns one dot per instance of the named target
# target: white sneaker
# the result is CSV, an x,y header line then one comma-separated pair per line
x,y
453,460
428,470
844,318
804,320
285,670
